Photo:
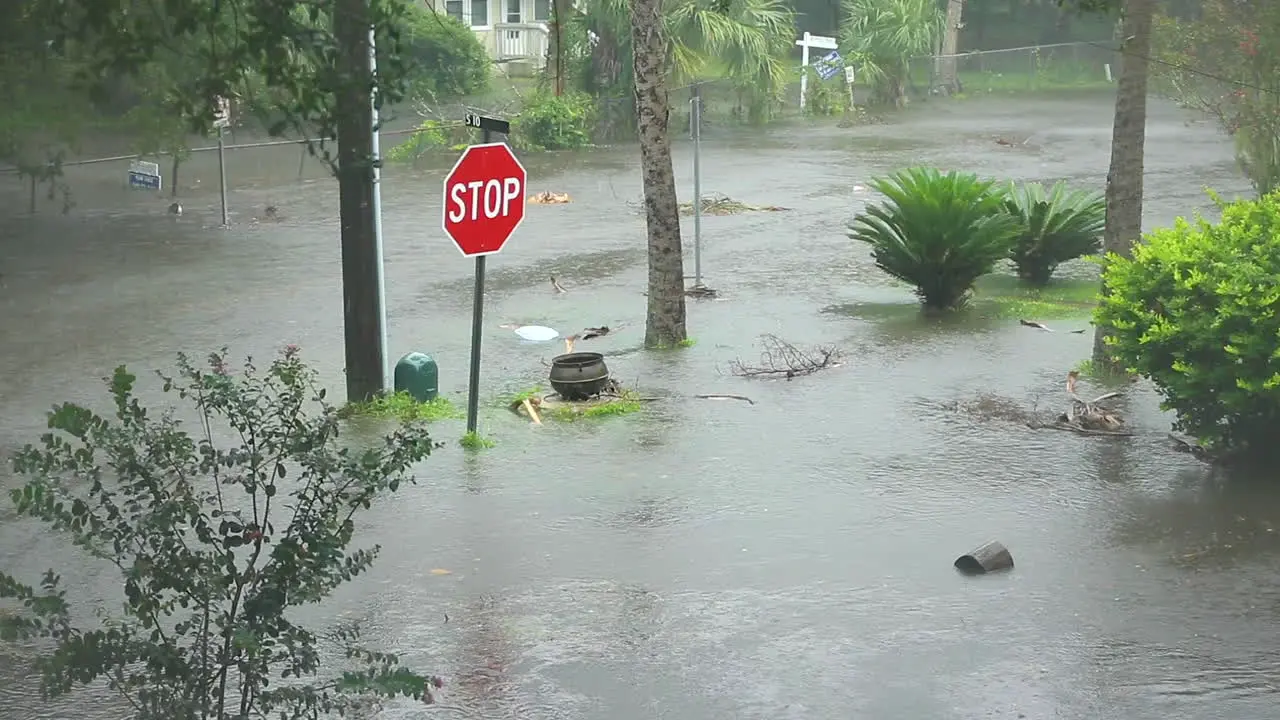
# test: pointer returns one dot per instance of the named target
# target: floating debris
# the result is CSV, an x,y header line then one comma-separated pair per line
x,y
556,286
549,198
724,205
532,333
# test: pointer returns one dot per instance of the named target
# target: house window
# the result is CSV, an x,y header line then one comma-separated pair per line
x,y
453,8
542,10
479,13
513,11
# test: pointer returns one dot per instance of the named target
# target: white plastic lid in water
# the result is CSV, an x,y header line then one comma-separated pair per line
x,y
536,333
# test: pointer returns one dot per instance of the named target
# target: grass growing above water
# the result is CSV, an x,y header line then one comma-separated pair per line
x,y
476,441
402,406
1005,296
628,403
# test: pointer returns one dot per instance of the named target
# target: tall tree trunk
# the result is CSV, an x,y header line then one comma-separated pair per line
x,y
560,14
950,76
665,320
362,314
1128,138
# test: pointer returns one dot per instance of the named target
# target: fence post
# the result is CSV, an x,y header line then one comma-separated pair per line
x,y
32,206
1031,77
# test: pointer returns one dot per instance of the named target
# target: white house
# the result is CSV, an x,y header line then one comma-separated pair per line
x,y
512,31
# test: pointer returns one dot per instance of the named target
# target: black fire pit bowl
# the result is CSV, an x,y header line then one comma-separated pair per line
x,y
578,376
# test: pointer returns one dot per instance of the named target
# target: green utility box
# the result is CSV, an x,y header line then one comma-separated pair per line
x,y
418,375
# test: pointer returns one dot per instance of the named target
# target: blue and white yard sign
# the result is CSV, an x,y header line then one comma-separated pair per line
x,y
829,65
144,175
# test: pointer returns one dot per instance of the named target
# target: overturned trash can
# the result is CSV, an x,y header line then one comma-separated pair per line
x,y
990,557
418,375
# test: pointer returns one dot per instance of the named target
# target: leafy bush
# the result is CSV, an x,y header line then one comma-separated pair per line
x,y
551,122
216,544
939,232
445,57
823,97
1197,310
1060,225
430,135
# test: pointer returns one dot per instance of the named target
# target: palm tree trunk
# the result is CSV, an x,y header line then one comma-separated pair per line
x,y
665,320
1128,138
950,77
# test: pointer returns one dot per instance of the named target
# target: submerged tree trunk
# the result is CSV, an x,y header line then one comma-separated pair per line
x,y
1128,138
665,320
949,79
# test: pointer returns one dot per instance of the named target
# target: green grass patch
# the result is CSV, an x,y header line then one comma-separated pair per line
x,y
629,402
475,441
688,342
402,406
1006,296
517,398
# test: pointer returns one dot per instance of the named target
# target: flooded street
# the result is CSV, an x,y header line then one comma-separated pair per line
x,y
702,560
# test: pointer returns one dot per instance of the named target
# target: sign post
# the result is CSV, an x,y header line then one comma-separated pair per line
x,y
484,202
811,41
221,120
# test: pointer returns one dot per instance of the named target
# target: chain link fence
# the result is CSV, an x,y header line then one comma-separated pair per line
x,y
1020,69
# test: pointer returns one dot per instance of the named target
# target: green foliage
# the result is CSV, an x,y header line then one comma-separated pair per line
x,y
218,535
430,135
473,440
1197,310
550,122
823,97
1223,61
445,59
402,406
879,37
1060,225
747,43
939,232
296,58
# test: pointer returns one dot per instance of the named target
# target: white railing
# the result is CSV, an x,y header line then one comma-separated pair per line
x,y
522,41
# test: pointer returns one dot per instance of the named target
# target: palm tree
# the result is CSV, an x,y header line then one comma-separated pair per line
x,y
1128,140
665,317
749,43
881,36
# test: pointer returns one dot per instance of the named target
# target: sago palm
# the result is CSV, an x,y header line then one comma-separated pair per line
x,y
1054,226
880,36
937,231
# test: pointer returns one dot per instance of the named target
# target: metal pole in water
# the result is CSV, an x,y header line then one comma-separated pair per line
x,y
697,184
376,146
477,322
222,176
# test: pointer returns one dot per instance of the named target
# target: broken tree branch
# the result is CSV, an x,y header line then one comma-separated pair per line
x,y
719,396
781,359
1086,417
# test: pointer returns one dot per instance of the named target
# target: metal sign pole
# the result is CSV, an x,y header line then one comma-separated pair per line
x,y
477,326
378,252
697,185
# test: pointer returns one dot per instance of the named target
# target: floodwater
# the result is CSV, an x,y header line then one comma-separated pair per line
x,y
703,559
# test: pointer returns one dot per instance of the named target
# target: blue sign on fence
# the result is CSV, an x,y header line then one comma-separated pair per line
x,y
829,65
144,175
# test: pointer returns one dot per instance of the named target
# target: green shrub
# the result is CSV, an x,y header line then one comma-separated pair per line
x,y
450,61
430,135
1197,310
823,97
939,232
551,122
1060,225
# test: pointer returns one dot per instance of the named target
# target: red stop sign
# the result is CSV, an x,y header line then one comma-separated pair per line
x,y
484,199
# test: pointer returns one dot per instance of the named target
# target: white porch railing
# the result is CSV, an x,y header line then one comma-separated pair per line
x,y
522,41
